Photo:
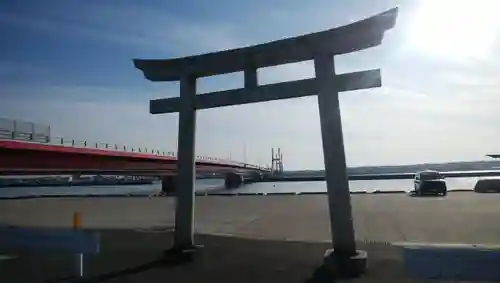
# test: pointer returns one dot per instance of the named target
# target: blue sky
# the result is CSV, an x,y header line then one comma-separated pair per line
x,y
69,64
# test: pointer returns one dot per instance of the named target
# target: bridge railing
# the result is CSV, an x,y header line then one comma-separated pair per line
x,y
39,133
25,131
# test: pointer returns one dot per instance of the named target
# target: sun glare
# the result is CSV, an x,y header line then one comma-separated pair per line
x,y
455,29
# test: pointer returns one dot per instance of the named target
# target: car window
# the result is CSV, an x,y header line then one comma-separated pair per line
x,y
430,175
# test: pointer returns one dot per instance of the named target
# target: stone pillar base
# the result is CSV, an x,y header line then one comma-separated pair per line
x,y
181,254
341,266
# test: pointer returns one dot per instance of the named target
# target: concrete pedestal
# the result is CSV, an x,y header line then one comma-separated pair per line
x,y
168,185
232,180
344,266
181,254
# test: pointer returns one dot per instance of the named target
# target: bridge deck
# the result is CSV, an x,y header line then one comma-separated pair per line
x,y
19,157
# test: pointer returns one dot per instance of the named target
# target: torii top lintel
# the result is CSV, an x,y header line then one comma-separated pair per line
x,y
345,39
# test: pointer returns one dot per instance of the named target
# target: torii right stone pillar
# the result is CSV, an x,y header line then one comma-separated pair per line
x,y
344,257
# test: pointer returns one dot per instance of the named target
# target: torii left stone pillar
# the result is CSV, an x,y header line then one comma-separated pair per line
x,y
186,166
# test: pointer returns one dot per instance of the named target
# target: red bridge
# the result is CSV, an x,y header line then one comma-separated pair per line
x,y
28,149
22,158
31,158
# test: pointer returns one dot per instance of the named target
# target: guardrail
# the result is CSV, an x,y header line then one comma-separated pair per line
x,y
38,133
25,131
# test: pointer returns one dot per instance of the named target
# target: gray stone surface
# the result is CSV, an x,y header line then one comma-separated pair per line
x,y
129,256
461,217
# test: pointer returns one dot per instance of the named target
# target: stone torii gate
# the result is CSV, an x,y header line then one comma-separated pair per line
x,y
320,47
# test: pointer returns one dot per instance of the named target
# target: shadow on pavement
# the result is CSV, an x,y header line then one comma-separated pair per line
x,y
413,194
115,275
132,256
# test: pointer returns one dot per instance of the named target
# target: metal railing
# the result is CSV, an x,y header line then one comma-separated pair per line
x,y
25,131
39,133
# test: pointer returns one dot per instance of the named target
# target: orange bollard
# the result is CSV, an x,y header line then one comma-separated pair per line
x,y
77,224
77,220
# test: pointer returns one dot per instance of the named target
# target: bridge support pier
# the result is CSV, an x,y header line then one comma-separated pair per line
x,y
253,177
232,180
257,176
168,185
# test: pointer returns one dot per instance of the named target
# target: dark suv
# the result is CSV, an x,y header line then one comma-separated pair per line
x,y
429,182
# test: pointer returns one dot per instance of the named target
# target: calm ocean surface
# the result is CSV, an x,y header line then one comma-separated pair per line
x,y
218,186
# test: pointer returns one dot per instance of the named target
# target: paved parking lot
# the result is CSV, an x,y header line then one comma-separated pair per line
x,y
461,217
